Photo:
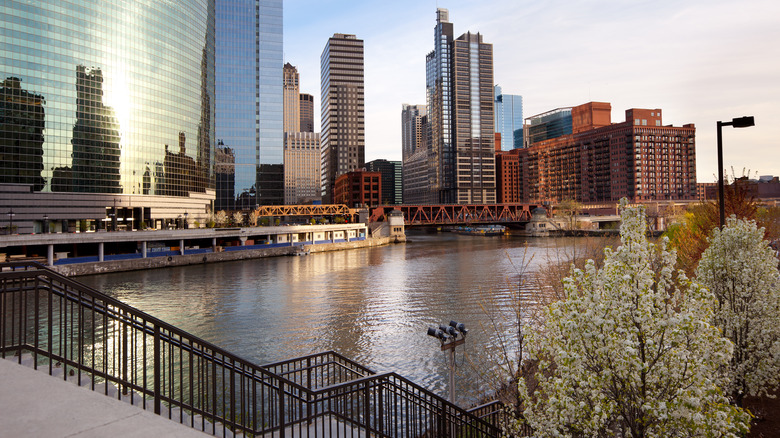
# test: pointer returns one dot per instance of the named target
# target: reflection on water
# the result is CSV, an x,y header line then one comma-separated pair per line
x,y
372,305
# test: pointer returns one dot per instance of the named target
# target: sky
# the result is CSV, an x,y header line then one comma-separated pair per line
x,y
699,61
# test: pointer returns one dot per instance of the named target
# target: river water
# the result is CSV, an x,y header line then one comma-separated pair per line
x,y
372,305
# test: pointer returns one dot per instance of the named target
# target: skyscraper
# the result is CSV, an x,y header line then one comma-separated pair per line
x,y
459,90
509,119
95,102
292,100
343,120
302,157
412,128
249,118
307,112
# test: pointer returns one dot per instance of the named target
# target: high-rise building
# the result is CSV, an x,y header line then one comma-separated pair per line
x,y
392,180
548,125
412,128
302,167
508,110
96,103
249,116
292,100
343,120
459,92
307,112
639,159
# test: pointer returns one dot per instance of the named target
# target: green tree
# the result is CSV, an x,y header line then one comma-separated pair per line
x,y
740,269
630,351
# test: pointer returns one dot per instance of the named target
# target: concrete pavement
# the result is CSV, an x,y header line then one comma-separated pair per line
x,y
34,404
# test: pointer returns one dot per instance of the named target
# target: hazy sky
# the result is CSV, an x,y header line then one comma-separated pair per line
x,y
699,61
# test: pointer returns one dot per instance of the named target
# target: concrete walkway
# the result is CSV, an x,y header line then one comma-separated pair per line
x,y
34,404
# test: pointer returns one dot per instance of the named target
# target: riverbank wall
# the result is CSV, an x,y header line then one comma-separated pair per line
x,y
91,268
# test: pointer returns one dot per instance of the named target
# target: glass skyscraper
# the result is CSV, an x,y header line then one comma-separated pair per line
x,y
249,108
114,100
509,119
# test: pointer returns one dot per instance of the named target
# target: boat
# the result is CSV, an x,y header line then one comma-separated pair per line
x,y
482,230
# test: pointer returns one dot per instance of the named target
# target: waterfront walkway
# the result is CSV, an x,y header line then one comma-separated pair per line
x,y
35,404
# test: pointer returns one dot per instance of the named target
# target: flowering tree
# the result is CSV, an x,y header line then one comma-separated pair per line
x,y
253,217
629,351
221,218
238,218
740,269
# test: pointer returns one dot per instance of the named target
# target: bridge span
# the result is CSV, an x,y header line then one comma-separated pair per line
x,y
453,214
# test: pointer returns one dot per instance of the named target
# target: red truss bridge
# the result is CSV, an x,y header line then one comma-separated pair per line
x,y
457,214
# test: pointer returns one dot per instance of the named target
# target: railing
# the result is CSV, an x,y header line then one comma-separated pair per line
x,y
91,337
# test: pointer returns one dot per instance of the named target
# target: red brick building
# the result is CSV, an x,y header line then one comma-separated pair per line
x,y
508,183
639,159
357,188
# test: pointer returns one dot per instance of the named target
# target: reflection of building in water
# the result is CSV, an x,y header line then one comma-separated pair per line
x,y
225,176
180,171
21,135
95,137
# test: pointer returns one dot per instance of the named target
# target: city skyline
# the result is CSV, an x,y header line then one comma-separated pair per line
x,y
702,62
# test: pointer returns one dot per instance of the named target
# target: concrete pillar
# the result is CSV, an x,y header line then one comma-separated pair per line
x,y
50,256
100,251
181,247
213,244
143,249
243,240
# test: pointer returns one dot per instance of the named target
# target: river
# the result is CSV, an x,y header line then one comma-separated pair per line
x,y
372,305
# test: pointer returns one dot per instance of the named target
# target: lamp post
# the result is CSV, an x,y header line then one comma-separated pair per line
x,y
45,223
739,122
11,215
450,337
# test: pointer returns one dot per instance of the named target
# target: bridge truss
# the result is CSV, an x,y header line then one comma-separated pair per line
x,y
457,214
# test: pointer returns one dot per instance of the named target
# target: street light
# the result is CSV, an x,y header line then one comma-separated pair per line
x,y
450,337
11,215
739,122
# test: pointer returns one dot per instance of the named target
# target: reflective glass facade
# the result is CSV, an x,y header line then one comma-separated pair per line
x,y
509,119
107,96
249,107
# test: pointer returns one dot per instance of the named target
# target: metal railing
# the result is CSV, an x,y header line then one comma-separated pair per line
x,y
128,354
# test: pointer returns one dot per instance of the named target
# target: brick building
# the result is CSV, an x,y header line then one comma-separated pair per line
x,y
639,159
357,188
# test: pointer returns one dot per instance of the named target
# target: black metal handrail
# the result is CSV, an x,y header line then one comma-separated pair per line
x,y
66,325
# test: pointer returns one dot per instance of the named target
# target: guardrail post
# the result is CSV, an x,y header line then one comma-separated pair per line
x,y
157,361
281,409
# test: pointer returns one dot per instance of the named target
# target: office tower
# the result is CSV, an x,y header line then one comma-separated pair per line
x,y
249,118
459,90
292,100
343,122
307,112
548,125
392,180
639,159
412,128
508,110
302,168
96,103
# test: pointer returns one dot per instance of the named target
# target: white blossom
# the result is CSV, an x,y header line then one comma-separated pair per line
x,y
740,269
629,351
